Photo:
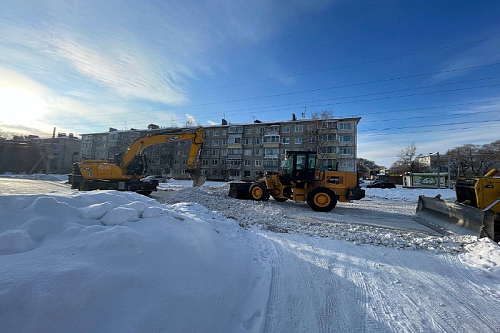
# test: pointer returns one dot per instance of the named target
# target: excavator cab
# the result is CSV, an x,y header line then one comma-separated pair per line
x,y
299,167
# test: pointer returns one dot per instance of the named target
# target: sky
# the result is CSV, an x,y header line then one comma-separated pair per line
x,y
424,73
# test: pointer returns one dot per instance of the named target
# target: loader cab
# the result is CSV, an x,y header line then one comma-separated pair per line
x,y
300,167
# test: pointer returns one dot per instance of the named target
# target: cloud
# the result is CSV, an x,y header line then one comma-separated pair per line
x,y
211,122
190,120
483,53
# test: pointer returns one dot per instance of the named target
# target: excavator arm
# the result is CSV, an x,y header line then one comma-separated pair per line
x,y
135,151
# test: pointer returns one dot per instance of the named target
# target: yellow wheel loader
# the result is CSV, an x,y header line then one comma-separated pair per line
x,y
126,174
476,211
301,181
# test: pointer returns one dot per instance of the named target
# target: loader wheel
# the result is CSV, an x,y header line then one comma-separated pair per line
x,y
84,186
259,192
322,199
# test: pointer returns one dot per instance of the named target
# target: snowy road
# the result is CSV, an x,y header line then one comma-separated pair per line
x,y
322,285
32,186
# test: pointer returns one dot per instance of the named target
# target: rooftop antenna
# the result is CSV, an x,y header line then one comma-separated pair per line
x,y
304,113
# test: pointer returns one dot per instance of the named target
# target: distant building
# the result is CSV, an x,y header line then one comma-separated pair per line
x,y
240,151
33,154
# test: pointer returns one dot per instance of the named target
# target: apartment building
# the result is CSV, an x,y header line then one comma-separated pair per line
x,y
240,151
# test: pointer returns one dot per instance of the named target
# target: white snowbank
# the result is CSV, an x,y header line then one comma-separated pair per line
x,y
35,176
79,264
408,194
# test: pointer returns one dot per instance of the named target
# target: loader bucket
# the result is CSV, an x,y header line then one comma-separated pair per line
x,y
450,218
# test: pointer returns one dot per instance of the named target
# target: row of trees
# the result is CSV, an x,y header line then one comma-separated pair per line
x,y
465,161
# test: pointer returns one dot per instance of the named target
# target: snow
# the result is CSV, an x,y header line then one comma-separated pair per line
x,y
196,260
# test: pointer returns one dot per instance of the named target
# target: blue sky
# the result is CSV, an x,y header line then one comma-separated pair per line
x,y
422,72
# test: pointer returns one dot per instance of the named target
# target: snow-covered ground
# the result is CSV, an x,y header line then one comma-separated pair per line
x,y
108,261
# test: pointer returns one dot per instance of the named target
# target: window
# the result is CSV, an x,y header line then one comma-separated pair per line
x,y
258,162
249,131
248,152
204,162
286,140
248,141
224,152
246,173
248,163
258,152
215,162
311,139
224,132
215,152
234,162
207,133
299,128
272,139
236,129
224,142
345,163
271,162
216,132
310,128
327,150
329,124
328,137
345,150
258,141
298,140
236,139
234,151
345,126
215,142
274,129
286,129
283,151
345,138
261,130
272,151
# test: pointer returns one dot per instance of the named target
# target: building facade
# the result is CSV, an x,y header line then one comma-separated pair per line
x,y
240,151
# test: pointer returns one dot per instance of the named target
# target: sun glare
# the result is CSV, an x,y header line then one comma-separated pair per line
x,y
17,104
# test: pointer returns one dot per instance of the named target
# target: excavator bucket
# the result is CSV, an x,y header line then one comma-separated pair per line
x,y
450,218
197,177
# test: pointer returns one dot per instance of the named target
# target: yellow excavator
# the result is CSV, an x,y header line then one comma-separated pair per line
x,y
301,181
130,167
476,211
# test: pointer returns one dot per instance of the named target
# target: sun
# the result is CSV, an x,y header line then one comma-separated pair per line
x,y
20,106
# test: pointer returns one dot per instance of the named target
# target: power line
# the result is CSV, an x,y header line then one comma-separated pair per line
x,y
288,104
353,64
428,125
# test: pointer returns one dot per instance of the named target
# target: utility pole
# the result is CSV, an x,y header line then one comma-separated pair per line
x,y
50,156
439,168
449,173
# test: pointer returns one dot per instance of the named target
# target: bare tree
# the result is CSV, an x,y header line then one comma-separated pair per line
x,y
405,159
366,166
474,160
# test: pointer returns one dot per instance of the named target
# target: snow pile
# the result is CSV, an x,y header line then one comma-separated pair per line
x,y
276,218
408,194
112,261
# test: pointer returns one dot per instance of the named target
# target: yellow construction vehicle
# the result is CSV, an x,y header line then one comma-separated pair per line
x,y
476,211
126,173
301,181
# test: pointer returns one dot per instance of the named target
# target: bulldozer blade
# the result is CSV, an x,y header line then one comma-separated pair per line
x,y
450,218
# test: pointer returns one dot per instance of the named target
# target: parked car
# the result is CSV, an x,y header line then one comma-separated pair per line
x,y
152,179
381,184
